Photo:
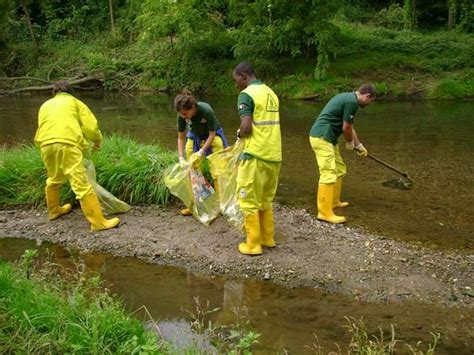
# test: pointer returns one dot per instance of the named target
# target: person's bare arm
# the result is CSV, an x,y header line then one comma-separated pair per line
x,y
245,126
208,143
181,144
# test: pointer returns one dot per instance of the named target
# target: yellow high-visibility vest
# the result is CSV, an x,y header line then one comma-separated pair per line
x,y
265,140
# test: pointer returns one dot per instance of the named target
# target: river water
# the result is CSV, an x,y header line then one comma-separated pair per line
x,y
431,141
287,319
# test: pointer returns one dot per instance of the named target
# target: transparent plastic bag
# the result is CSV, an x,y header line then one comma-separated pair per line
x,y
190,186
109,203
223,165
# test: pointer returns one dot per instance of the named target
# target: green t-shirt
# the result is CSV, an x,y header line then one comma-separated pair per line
x,y
328,125
202,122
245,103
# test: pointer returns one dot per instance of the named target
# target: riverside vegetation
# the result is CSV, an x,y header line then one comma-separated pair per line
x,y
45,308
131,171
307,49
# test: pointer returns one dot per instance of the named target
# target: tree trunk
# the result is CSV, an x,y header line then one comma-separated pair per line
x,y
452,9
111,12
30,25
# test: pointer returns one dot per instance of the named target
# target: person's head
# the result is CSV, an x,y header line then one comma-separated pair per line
x,y
366,95
62,86
243,74
185,104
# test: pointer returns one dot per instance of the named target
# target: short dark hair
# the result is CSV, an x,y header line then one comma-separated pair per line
x,y
244,68
185,100
62,86
367,89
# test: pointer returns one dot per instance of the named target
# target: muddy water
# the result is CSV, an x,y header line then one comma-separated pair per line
x,y
431,141
287,319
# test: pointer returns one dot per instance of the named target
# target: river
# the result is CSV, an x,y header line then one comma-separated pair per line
x,y
286,319
430,140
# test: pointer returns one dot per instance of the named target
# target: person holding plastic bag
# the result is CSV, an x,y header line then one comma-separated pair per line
x,y
65,125
259,167
199,132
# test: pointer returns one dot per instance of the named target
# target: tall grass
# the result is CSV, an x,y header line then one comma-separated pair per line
x,y
45,314
132,171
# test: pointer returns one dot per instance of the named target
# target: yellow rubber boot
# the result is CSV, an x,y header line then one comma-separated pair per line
x,y
325,201
337,195
186,212
52,201
267,228
91,208
252,229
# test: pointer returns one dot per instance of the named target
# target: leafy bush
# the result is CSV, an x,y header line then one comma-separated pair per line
x,y
391,17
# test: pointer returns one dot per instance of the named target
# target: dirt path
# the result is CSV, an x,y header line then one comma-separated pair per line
x,y
309,253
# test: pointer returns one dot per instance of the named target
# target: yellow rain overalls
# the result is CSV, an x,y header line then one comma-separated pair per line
x,y
65,125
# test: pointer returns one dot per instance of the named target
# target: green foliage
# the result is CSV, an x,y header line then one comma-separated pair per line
x,y
22,176
455,87
362,342
168,44
46,314
409,10
131,171
392,17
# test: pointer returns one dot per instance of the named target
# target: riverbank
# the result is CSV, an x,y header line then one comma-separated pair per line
x,y
310,253
401,64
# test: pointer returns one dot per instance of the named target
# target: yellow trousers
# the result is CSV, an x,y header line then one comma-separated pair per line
x,y
64,162
330,163
216,145
257,183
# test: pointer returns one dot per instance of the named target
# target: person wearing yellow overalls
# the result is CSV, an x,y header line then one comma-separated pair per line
x,y
259,167
336,119
65,125
199,132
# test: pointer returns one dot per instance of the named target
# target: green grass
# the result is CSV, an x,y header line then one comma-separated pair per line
x,y
48,309
131,171
45,314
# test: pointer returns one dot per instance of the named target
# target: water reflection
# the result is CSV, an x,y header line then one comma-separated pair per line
x,y
431,141
287,319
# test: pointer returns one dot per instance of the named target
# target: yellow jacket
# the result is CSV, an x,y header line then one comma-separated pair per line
x,y
65,119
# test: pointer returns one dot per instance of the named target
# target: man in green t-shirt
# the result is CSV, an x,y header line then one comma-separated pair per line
x,y
336,119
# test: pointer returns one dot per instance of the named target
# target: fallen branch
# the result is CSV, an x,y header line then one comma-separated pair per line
x,y
18,78
50,86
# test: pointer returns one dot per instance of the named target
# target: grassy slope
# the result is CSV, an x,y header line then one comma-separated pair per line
x,y
131,171
400,63
43,314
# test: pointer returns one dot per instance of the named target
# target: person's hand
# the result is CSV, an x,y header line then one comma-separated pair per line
x,y
183,162
350,145
195,158
361,150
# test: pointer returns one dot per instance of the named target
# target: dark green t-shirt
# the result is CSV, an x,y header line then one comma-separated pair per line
x,y
328,125
245,103
202,122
